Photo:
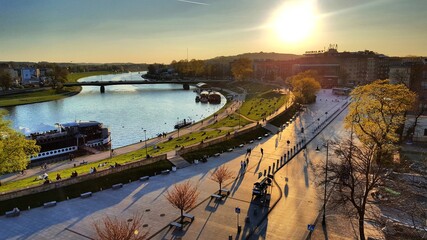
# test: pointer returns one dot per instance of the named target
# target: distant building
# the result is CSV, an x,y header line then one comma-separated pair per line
x,y
30,76
413,73
335,68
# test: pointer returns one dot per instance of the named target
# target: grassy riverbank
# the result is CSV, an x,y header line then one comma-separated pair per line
x,y
46,94
260,99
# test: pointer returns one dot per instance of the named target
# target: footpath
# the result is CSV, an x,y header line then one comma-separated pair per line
x,y
214,219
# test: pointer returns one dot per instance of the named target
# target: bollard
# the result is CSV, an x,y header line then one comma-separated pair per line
x,y
277,163
265,172
273,166
269,169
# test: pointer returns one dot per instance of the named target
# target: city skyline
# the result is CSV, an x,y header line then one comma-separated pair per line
x,y
165,30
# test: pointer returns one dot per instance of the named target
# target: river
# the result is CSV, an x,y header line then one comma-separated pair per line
x,y
127,110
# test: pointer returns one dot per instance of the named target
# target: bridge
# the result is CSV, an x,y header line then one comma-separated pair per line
x,y
185,83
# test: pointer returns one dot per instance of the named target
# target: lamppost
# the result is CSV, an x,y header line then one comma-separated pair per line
x,y
145,137
326,181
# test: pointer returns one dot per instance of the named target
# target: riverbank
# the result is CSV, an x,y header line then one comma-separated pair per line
x,y
210,128
29,96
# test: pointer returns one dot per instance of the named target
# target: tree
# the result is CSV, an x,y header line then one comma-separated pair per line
x,y
221,175
5,81
377,111
59,75
241,68
183,196
15,149
354,174
304,86
116,229
375,114
420,107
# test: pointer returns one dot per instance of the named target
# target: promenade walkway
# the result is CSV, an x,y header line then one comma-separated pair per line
x,y
74,219
130,148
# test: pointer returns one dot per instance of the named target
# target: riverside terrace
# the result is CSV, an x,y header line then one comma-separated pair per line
x,y
185,83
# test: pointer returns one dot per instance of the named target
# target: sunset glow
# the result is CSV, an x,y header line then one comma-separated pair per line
x,y
294,21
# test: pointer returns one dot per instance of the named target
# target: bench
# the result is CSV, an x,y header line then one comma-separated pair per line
x,y
175,224
49,204
216,196
226,191
13,213
167,171
144,178
117,186
86,195
217,154
187,215
83,163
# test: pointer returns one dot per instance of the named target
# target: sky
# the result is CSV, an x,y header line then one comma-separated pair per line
x,y
149,31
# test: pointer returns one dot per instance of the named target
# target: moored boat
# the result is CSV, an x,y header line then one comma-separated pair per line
x,y
69,137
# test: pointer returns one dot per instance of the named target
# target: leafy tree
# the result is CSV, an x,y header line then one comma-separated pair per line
x,y
59,76
305,86
182,196
5,80
15,149
242,68
115,229
221,175
377,111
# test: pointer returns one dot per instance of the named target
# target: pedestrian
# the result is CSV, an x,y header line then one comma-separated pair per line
x,y
262,152
241,164
58,177
247,161
244,165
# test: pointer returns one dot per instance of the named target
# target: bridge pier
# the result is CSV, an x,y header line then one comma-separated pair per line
x,y
102,89
186,86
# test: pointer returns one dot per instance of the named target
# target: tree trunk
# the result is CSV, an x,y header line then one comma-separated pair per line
x,y
182,216
361,226
219,192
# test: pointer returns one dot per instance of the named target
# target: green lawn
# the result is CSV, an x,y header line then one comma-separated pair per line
x,y
230,121
260,99
257,108
73,77
48,94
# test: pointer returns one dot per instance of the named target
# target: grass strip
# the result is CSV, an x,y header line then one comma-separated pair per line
x,y
224,146
93,185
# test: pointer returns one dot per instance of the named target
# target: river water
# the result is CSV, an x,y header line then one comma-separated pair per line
x,y
126,109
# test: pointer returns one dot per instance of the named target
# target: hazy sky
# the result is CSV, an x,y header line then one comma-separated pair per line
x,y
162,30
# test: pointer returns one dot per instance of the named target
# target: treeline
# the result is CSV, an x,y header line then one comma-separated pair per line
x,y
239,69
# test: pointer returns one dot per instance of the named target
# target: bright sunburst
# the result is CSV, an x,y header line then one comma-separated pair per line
x,y
295,20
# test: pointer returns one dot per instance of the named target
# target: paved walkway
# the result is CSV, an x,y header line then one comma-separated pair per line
x,y
126,149
74,219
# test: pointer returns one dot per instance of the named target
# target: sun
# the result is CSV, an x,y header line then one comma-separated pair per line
x,y
295,21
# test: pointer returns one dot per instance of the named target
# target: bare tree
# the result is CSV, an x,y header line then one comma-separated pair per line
x,y
221,175
182,196
119,229
354,175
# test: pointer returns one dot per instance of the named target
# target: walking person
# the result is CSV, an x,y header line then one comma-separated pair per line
x,y
262,152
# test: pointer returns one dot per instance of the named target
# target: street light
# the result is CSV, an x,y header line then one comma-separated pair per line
x,y
326,181
145,137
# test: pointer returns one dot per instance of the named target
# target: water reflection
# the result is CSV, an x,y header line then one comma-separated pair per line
x,y
126,109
